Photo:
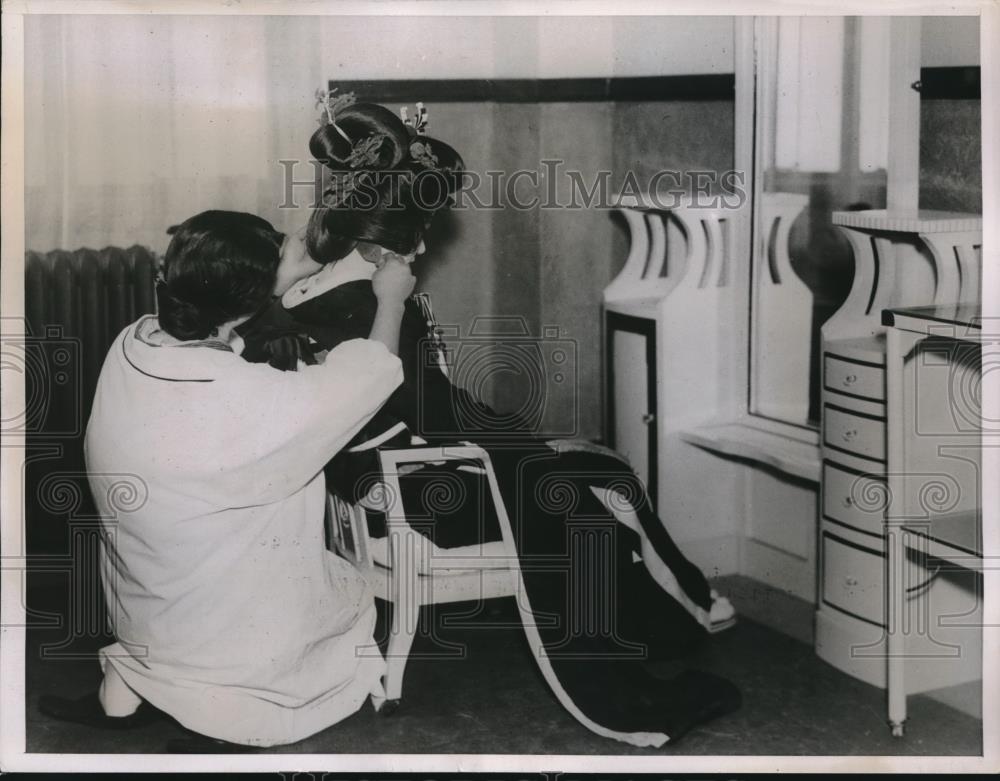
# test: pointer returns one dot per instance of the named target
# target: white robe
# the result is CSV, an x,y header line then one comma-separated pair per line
x,y
229,612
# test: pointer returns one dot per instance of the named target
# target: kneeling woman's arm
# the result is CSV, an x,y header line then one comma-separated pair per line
x,y
293,422
392,284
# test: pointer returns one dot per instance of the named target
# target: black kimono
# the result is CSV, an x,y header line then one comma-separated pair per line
x,y
621,591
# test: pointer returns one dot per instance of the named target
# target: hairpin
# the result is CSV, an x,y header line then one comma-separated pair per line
x,y
332,105
418,124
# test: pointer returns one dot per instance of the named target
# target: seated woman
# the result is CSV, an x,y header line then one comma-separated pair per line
x,y
387,179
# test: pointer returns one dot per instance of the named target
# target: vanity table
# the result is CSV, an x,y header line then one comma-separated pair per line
x,y
900,259
930,350
666,340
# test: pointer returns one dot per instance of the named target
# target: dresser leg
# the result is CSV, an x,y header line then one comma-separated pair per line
x,y
895,548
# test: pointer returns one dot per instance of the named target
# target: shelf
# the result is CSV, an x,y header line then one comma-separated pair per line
x,y
647,306
916,318
922,221
743,440
954,537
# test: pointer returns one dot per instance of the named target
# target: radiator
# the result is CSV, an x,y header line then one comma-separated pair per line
x,y
75,304
87,297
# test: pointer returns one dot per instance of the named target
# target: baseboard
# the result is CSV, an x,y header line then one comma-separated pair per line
x,y
785,572
776,609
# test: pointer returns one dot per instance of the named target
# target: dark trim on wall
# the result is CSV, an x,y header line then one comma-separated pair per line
x,y
957,83
707,86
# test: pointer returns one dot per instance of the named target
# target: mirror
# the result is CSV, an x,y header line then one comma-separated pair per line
x,y
821,145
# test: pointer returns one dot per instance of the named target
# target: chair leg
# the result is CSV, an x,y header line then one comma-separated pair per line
x,y
405,590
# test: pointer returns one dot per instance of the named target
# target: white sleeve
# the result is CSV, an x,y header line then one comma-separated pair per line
x,y
305,417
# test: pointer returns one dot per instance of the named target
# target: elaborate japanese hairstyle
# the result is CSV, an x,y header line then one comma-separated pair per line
x,y
387,178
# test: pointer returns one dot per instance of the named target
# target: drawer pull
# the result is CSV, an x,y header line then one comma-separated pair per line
x,y
849,380
851,581
848,501
850,435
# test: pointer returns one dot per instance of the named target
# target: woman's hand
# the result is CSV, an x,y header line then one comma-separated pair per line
x,y
393,281
295,263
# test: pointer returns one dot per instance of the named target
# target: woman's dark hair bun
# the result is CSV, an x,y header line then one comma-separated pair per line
x,y
334,143
182,319
388,179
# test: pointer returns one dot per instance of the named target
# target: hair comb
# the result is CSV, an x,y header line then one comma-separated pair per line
x,y
332,105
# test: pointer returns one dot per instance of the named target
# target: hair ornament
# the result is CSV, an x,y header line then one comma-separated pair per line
x,y
332,105
421,152
365,153
417,125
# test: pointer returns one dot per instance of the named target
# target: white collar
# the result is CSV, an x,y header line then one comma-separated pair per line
x,y
351,268
151,351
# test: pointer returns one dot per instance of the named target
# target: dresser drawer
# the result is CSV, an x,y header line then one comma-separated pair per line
x,y
855,379
853,578
854,499
862,435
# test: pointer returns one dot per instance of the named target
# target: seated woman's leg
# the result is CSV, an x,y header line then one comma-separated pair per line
x,y
623,494
594,614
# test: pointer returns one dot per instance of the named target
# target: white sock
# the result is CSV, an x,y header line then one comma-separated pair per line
x,y
115,695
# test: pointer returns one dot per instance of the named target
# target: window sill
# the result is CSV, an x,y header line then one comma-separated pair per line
x,y
739,439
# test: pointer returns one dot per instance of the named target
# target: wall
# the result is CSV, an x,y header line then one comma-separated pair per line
x,y
544,269
400,47
949,41
182,114
951,160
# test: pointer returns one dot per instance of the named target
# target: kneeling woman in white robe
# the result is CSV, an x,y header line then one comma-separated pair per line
x,y
229,613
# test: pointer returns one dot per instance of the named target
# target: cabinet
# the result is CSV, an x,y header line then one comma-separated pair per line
x,y
900,259
667,333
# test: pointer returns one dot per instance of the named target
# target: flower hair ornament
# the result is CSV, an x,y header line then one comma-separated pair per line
x,y
418,125
420,151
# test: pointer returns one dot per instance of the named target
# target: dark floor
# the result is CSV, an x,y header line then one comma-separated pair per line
x,y
494,701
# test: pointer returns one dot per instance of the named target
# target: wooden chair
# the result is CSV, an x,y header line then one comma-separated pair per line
x,y
404,567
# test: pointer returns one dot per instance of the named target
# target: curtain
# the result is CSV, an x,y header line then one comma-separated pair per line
x,y
135,123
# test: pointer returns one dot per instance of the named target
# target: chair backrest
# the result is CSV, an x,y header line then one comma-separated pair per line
x,y
347,530
423,300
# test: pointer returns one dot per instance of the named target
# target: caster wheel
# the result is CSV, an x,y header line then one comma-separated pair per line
x,y
389,707
897,730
